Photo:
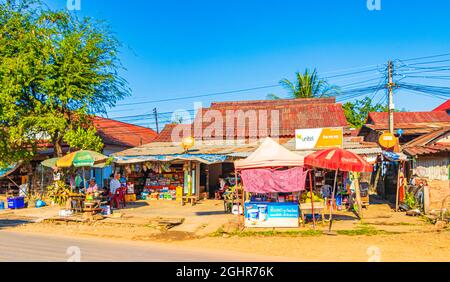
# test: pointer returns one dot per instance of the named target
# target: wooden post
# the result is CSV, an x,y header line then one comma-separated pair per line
x,y
398,187
358,194
377,178
236,194
207,180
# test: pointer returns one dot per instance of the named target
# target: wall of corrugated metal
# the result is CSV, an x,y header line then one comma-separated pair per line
x,y
433,168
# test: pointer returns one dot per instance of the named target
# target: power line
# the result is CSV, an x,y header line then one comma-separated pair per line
x,y
202,95
427,57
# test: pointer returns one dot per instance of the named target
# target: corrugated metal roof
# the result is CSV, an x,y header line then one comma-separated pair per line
x,y
237,149
169,148
401,119
286,115
425,145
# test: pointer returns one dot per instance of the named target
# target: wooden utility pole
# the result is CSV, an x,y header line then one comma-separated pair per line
x,y
155,112
390,87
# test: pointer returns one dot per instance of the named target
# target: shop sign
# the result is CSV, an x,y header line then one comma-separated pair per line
x,y
387,140
319,138
271,215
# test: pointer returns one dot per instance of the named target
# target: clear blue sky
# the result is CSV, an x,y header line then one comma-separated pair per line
x,y
182,48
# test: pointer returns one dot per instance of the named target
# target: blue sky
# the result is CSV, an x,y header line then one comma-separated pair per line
x,y
183,48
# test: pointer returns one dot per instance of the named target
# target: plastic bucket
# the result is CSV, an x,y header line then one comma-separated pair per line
x,y
106,210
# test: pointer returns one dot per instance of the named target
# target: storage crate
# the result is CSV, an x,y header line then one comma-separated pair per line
x,y
130,198
16,203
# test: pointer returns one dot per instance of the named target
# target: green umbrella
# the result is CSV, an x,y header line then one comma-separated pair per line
x,y
81,159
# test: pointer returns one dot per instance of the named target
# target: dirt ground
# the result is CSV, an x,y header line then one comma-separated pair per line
x,y
383,235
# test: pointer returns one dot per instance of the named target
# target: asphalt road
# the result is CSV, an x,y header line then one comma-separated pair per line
x,y
24,247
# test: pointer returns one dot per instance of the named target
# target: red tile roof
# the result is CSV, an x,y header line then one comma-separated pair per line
x,y
166,134
119,133
381,119
289,114
444,107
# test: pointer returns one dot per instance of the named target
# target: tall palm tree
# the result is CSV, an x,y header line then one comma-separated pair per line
x,y
307,85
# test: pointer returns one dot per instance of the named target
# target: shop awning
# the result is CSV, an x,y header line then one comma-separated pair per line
x,y
206,159
5,172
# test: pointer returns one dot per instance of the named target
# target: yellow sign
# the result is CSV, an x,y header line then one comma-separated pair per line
x,y
387,140
319,138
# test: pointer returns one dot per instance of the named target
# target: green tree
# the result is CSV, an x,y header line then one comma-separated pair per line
x,y
56,72
307,85
358,111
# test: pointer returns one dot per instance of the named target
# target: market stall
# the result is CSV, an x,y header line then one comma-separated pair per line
x,y
344,161
165,177
273,178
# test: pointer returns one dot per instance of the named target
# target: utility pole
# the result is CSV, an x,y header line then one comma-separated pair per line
x,y
390,86
155,112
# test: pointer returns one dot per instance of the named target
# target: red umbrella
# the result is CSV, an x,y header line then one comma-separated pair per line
x,y
338,159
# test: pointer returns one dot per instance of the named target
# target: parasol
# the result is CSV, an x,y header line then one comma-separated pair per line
x,y
339,160
81,159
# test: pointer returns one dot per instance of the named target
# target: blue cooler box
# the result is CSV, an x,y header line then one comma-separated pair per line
x,y
16,203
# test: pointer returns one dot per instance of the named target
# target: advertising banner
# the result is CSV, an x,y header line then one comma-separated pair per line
x,y
271,215
319,138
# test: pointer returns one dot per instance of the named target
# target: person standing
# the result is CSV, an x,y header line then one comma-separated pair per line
x,y
114,185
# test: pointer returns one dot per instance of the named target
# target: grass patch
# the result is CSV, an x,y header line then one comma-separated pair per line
x,y
364,230
392,223
271,233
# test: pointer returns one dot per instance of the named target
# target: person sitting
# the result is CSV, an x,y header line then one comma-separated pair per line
x,y
222,188
92,188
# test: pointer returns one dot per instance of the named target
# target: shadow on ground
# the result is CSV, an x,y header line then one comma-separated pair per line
x,y
205,213
5,223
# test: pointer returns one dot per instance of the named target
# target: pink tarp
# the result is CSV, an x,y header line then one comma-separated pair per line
x,y
274,181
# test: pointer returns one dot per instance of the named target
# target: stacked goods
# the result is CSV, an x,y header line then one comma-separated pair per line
x,y
308,198
162,194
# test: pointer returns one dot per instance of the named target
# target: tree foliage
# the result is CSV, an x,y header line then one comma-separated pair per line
x,y
307,85
56,72
358,111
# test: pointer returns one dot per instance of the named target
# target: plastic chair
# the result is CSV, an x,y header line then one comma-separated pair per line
x,y
119,198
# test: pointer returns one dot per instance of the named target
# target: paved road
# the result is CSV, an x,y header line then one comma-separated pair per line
x,y
24,247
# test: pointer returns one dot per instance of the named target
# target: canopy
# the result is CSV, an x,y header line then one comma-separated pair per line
x,y
51,163
4,172
270,154
81,159
338,159
206,159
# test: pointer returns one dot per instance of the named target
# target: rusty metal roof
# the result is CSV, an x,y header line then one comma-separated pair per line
x,y
426,145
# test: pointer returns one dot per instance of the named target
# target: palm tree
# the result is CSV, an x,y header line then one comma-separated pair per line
x,y
307,85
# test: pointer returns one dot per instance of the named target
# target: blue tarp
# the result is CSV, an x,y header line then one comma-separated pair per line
x,y
391,156
5,171
207,159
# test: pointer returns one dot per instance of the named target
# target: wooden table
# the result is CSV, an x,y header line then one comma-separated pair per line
x,y
78,199
187,199
306,208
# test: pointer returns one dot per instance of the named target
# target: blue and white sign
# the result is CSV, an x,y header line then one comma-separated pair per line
x,y
266,214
